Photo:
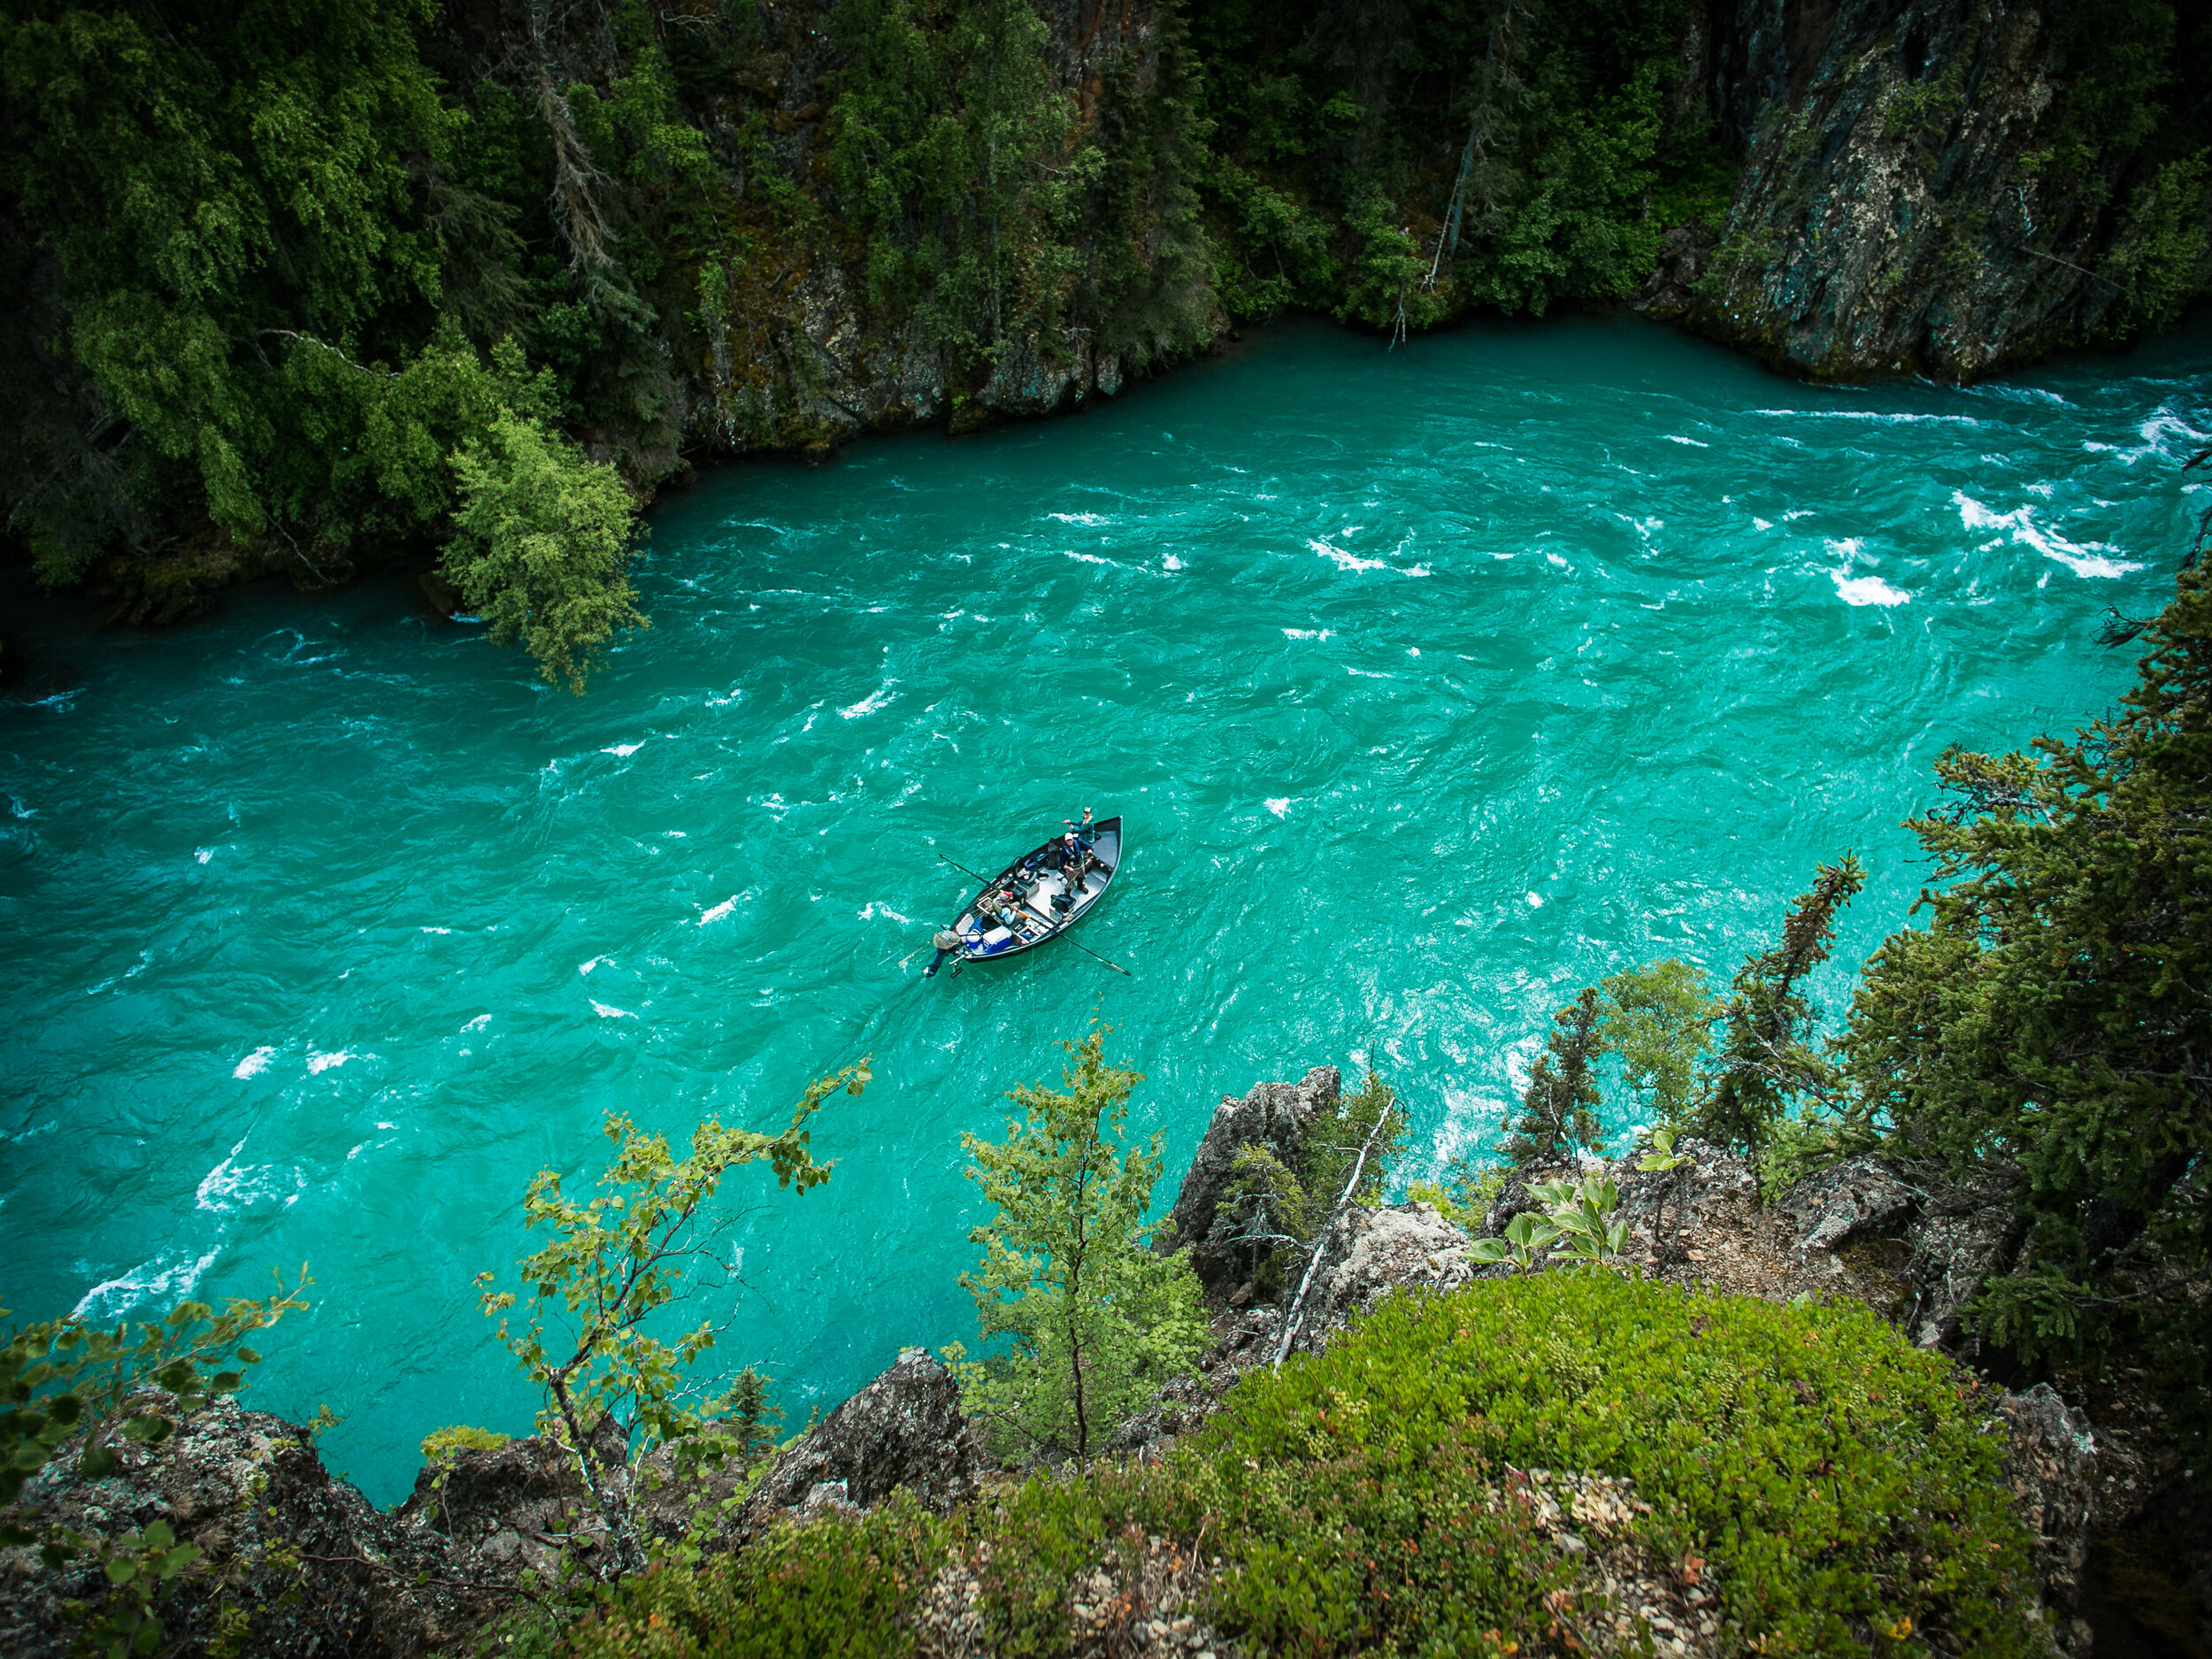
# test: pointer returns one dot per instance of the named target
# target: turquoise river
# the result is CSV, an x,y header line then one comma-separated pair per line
x,y
1433,683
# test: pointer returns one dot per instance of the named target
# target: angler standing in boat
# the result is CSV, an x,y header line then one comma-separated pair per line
x,y
1037,897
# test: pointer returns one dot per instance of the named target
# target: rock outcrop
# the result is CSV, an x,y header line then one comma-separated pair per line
x,y
905,1429
299,1561
1274,1116
294,1562
1920,194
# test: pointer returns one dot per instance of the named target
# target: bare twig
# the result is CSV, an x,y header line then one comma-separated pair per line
x,y
1296,1311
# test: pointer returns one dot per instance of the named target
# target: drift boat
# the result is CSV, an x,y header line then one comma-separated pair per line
x,y
1042,916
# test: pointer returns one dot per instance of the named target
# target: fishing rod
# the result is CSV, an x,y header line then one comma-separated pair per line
x,y
1085,949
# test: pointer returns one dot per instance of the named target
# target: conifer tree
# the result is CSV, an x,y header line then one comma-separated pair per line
x,y
1767,1061
1094,1320
1559,1110
2048,1035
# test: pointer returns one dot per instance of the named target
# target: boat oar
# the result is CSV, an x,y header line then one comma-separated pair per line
x,y
1115,966
963,869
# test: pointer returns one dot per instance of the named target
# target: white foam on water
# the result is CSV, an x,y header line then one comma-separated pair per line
x,y
204,854
1087,558
624,750
1535,901
870,703
876,907
1309,633
113,1296
1347,561
1555,559
1762,524
585,967
1867,590
1696,443
437,930
1861,590
717,913
2085,559
1278,804
227,1187
1079,518
254,1064
1792,515
1864,414
320,1063
606,1011
1413,651
478,1023
1365,674
1171,563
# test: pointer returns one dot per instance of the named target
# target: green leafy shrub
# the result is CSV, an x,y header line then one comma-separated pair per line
x,y
1837,1482
827,1590
1834,1488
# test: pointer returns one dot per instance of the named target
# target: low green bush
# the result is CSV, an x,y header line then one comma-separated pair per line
x,y
832,1589
1837,1489
1838,1484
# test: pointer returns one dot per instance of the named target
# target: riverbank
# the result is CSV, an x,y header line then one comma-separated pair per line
x,y
764,234
295,1559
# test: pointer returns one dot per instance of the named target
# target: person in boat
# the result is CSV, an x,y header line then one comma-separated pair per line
x,y
1086,833
947,942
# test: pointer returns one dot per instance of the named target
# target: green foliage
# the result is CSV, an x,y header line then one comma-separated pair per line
x,y
542,544
2159,256
1525,1239
139,1567
1659,1020
1582,1212
207,179
2047,1031
1767,1062
1577,1219
1836,1482
1267,1211
1559,1108
270,284
1833,1488
1364,1129
831,1589
614,1391
65,1379
1094,1321
1465,1196
441,1446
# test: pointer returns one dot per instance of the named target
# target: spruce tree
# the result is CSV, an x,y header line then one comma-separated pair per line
x,y
1559,1110
1093,1322
1767,1061
2048,1035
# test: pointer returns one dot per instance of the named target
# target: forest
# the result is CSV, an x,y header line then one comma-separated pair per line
x,y
462,285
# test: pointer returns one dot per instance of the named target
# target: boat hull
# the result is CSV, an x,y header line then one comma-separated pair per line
x,y
1042,921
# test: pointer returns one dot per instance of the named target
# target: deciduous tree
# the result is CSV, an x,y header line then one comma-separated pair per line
x,y
1092,1320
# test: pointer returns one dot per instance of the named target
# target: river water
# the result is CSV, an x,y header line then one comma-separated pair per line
x,y
1433,684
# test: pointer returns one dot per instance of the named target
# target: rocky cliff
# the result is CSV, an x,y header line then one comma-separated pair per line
x,y
1948,187
297,1563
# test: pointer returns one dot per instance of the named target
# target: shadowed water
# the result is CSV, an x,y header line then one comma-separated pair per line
x,y
1432,683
